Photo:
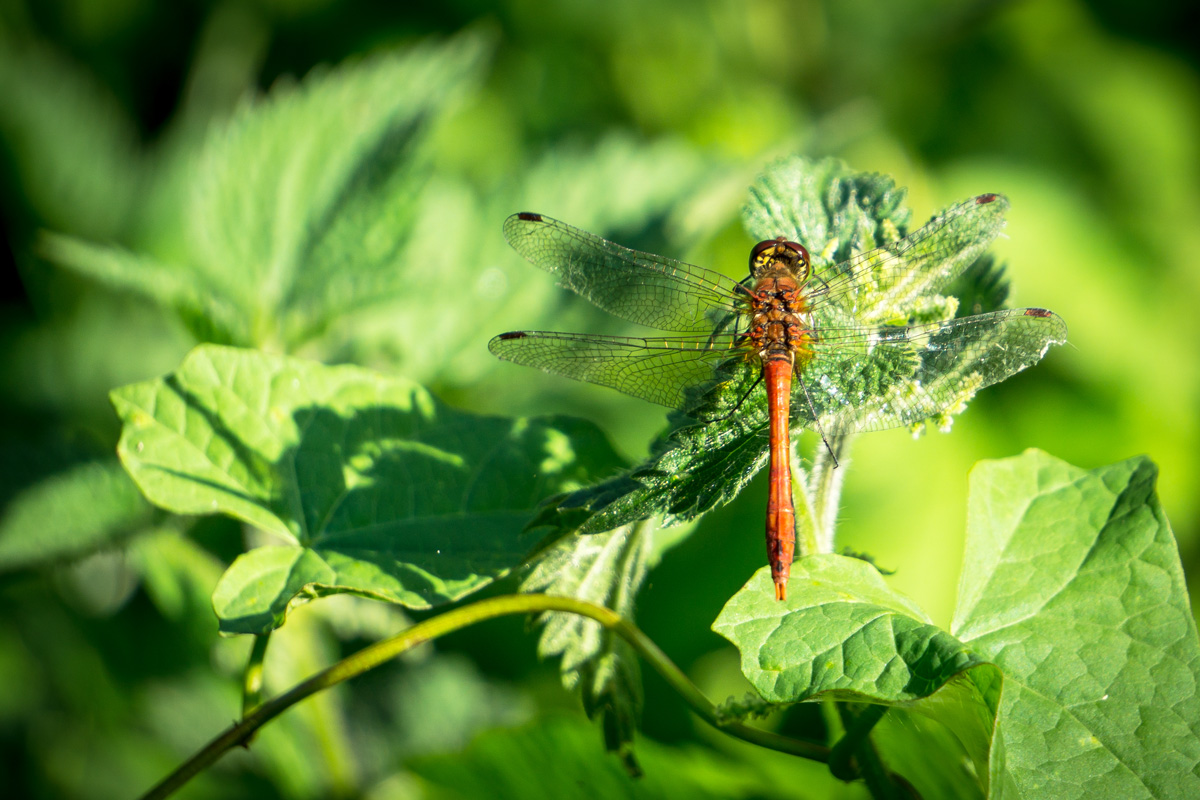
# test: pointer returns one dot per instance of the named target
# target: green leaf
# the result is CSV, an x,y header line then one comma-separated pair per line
x,y
830,209
697,468
70,513
1073,666
303,205
208,314
841,631
1072,586
925,738
607,569
69,142
373,486
558,757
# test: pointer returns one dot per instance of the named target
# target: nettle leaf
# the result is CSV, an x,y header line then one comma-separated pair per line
x,y
607,569
830,209
208,314
1073,663
374,487
696,468
302,205
81,508
304,200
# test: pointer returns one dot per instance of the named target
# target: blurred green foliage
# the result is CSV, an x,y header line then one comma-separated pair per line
x,y
642,122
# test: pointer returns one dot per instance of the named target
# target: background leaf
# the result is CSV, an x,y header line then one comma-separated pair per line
x,y
376,488
70,513
301,207
514,765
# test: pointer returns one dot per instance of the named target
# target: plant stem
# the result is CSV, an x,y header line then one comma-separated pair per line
x,y
253,678
825,482
854,755
373,655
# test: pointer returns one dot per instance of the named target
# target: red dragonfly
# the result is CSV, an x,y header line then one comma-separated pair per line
x,y
840,348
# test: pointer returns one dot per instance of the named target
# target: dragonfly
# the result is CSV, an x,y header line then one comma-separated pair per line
x,y
840,348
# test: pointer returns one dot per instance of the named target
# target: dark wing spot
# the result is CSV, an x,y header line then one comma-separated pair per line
x,y
528,217
512,335
1036,312
984,199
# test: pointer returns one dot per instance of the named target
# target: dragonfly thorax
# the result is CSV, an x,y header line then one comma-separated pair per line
x,y
779,258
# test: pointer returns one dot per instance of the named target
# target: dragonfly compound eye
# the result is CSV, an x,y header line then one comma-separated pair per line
x,y
775,249
799,250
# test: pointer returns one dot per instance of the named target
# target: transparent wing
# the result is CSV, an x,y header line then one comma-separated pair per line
x,y
640,287
869,379
880,284
872,287
670,371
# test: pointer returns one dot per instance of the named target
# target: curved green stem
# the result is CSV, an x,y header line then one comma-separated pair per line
x,y
373,655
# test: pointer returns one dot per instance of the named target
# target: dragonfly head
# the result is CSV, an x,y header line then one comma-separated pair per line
x,y
779,257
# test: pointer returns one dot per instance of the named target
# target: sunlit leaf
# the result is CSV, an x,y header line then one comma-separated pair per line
x,y
1072,586
1073,664
303,202
830,209
370,485
300,207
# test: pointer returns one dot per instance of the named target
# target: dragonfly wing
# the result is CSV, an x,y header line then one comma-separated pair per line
x,y
887,283
869,379
676,372
640,287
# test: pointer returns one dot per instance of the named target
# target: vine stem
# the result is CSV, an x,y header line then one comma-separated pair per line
x,y
376,654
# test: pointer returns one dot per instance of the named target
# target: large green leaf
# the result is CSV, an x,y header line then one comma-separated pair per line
x,y
370,485
1074,660
301,206
1072,585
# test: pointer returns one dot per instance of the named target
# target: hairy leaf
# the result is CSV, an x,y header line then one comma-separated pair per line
x,y
301,206
607,569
